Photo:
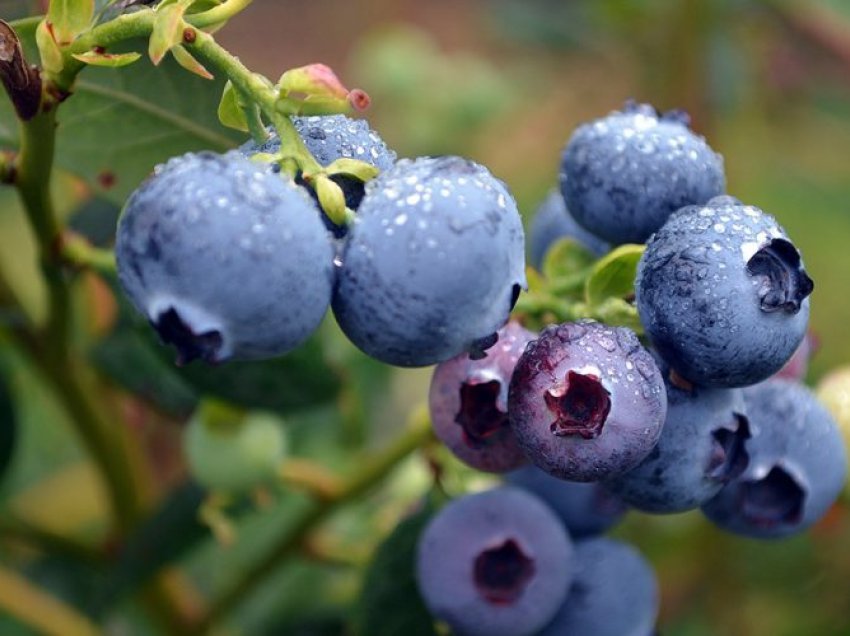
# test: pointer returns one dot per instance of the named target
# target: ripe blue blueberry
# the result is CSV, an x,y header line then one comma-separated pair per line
x,y
723,294
468,400
701,448
552,222
433,264
225,259
586,401
614,593
585,509
332,137
797,465
623,175
496,563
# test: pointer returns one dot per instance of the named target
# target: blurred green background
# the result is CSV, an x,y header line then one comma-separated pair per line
x,y
505,82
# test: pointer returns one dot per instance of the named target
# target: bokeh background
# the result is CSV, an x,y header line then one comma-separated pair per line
x,y
505,82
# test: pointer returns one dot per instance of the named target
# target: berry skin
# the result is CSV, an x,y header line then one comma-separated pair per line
x,y
496,563
797,465
553,222
585,509
723,294
701,448
433,264
233,454
623,175
614,593
332,137
586,401
468,400
225,259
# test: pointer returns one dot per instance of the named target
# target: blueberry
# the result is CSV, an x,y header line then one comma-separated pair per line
x,y
332,137
433,264
797,465
623,175
552,222
496,563
723,294
226,259
586,401
702,447
469,403
614,593
585,509
798,364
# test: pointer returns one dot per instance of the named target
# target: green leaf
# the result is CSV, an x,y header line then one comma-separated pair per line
x,y
618,312
566,257
167,30
389,602
360,170
613,276
48,49
147,105
109,60
69,18
187,61
230,113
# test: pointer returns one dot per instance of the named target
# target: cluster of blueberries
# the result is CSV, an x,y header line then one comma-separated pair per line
x,y
586,422
228,259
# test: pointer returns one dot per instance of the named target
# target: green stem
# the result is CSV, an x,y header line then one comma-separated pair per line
x,y
261,91
373,470
217,15
32,177
78,252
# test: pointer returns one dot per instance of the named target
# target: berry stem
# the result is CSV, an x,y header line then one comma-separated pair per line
x,y
372,471
76,251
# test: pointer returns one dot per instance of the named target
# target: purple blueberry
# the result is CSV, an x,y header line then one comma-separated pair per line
x,y
623,175
586,401
225,259
797,465
585,509
553,222
614,593
469,403
496,563
433,265
702,447
723,294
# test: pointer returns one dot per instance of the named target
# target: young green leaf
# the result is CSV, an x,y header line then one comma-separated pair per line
x,y
48,49
565,258
109,60
185,59
230,113
390,603
167,30
613,276
616,311
69,18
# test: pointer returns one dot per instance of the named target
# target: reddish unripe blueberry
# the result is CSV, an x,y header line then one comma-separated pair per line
x,y
586,401
469,403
